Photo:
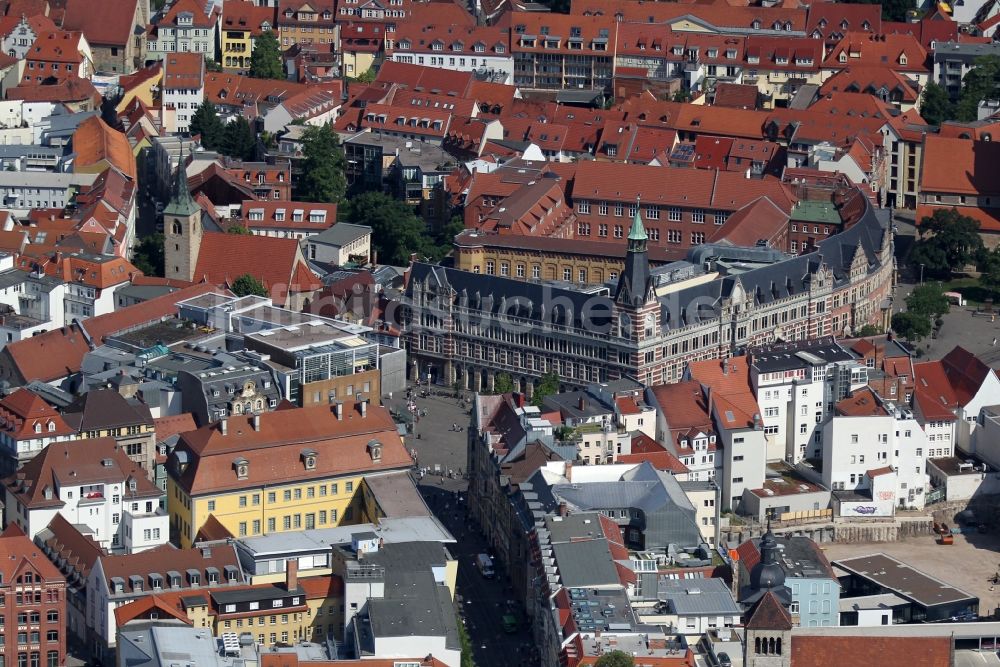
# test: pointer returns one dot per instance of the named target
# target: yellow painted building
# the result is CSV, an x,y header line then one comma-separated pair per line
x,y
142,85
288,470
242,22
538,258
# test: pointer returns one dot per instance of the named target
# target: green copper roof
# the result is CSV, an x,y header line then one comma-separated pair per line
x,y
181,204
638,232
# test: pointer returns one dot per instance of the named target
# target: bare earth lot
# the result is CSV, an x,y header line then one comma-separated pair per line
x,y
967,564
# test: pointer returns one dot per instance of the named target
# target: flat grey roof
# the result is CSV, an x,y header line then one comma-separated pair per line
x,y
392,530
904,580
341,234
586,564
698,597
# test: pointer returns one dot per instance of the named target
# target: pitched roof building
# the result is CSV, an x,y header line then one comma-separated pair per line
x,y
283,452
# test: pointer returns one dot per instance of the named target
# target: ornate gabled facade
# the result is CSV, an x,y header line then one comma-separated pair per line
x,y
466,328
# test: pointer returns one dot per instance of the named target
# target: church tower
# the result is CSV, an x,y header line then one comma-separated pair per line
x,y
182,229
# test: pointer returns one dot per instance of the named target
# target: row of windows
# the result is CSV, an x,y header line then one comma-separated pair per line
x,y
291,494
33,659
674,213
309,521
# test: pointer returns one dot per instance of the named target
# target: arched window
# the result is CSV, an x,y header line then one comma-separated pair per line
x,y
777,643
756,645
176,228
770,646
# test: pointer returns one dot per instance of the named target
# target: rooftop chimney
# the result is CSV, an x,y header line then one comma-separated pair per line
x,y
223,427
256,422
563,508
569,471
338,409
583,403
363,407
291,574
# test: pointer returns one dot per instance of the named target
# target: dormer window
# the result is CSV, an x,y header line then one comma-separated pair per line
x,y
38,428
902,59
52,426
242,468
309,459
843,57
375,450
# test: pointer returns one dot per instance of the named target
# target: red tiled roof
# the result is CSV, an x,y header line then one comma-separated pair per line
x,y
199,19
736,96
83,460
69,90
22,410
723,190
959,166
769,614
183,70
869,79
105,23
862,403
164,558
94,142
428,79
18,553
142,607
274,262
825,650
247,15
729,384
274,452
174,424
903,52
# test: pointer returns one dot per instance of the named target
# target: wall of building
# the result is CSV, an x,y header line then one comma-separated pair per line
x,y
288,507
341,388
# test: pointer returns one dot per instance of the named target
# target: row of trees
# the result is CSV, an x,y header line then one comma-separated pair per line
x,y
981,83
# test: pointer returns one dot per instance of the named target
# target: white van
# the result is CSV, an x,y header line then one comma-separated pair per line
x,y
485,565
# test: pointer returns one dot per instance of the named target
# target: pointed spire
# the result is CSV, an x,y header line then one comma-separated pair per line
x,y
181,203
638,231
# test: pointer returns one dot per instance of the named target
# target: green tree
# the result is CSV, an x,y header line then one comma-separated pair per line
x,y
368,76
396,230
936,106
239,139
981,83
206,123
503,384
147,256
615,659
548,385
265,59
928,300
211,65
989,269
892,10
911,326
246,285
868,331
949,241
239,230
323,178
681,96
466,643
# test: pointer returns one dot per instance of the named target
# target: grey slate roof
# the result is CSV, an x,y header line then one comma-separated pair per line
x,y
698,597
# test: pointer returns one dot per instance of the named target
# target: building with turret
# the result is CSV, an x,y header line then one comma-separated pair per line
x,y
466,328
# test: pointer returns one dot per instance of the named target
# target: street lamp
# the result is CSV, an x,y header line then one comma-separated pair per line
x,y
921,274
